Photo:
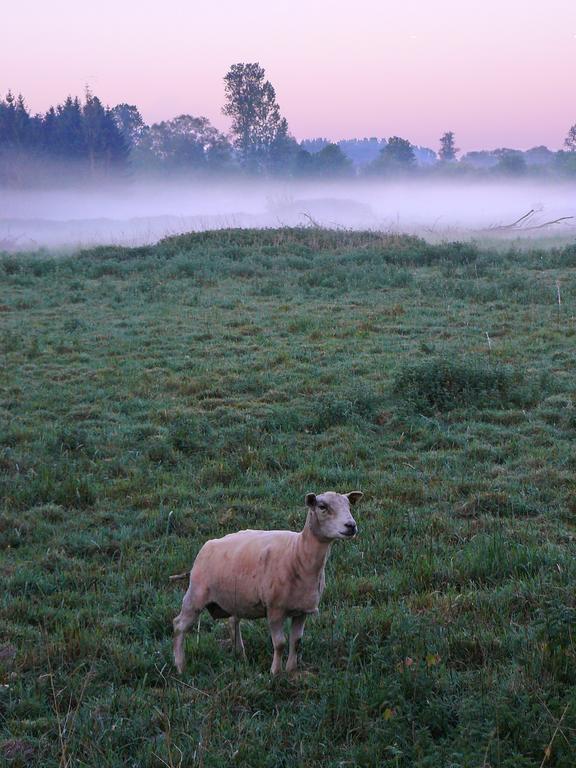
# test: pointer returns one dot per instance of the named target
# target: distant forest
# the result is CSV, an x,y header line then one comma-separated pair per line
x,y
83,140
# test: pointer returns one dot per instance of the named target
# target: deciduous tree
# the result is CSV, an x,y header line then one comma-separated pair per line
x,y
570,141
187,143
396,157
448,148
260,133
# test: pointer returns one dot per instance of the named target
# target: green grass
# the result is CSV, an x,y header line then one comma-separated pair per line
x,y
151,398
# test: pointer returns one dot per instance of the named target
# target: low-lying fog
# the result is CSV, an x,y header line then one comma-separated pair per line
x,y
141,212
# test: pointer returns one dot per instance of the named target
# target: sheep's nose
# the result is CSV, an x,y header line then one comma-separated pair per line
x,y
351,528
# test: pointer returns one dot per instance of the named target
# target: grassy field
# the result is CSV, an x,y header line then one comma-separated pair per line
x,y
156,397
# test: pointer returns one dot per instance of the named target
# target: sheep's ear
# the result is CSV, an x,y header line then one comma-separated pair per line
x,y
354,496
310,499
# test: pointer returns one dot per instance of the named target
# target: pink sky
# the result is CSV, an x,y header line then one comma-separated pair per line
x,y
497,72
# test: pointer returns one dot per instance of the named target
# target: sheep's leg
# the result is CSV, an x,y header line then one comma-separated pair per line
x,y
296,632
236,636
276,624
185,619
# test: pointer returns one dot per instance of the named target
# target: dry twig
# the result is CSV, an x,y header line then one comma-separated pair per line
x,y
520,224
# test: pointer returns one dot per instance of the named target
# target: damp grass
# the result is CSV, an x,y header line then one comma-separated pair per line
x,y
152,398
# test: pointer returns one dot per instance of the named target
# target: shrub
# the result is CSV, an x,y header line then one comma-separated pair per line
x,y
443,384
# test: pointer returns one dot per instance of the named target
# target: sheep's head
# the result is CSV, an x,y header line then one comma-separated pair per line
x,y
330,516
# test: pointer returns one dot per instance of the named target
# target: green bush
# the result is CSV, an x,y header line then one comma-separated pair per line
x,y
443,384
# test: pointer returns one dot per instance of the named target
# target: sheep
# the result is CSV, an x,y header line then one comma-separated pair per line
x,y
266,574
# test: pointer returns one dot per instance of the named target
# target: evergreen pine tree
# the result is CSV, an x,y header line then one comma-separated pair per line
x,y
49,132
95,130
117,144
23,137
107,149
7,121
69,140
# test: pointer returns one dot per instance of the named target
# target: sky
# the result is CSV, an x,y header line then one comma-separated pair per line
x,y
499,73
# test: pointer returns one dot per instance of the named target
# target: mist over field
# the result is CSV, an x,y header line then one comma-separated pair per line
x,y
251,253
143,212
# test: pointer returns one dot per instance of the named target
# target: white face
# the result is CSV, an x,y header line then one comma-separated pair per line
x,y
330,515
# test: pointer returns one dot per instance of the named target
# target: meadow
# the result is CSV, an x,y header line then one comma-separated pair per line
x,y
154,397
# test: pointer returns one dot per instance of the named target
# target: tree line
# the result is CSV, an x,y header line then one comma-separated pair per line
x,y
87,140
85,135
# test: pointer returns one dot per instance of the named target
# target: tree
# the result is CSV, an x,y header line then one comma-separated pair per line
x,y
117,147
49,131
479,160
33,147
539,156
570,141
331,162
448,148
303,163
7,121
313,145
130,123
68,137
260,133
106,146
511,162
425,156
565,163
187,142
282,153
94,122
396,157
20,139
16,124
22,124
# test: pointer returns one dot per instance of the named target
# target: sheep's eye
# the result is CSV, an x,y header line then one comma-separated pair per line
x,y
322,507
